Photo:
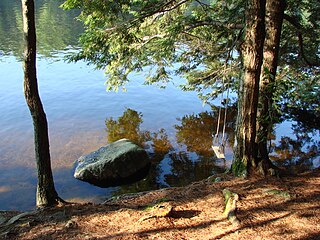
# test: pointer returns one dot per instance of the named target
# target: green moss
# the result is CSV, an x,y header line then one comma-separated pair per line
x,y
279,193
239,168
161,200
227,195
230,206
217,179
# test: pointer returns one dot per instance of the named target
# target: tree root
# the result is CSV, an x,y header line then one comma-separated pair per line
x,y
230,209
266,168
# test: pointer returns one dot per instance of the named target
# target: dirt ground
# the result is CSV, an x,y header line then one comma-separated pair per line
x,y
268,208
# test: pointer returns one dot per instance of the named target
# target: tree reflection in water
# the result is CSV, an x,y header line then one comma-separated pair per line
x,y
127,126
193,158
156,143
300,154
196,131
56,29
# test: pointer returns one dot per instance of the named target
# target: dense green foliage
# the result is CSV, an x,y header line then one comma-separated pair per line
x,y
298,80
200,40
301,35
298,97
191,38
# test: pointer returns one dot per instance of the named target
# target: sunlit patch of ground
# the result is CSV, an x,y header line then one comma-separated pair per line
x,y
83,200
268,208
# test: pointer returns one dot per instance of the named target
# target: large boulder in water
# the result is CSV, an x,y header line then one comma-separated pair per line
x,y
121,162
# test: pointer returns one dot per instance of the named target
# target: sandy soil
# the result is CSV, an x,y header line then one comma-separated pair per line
x,y
268,208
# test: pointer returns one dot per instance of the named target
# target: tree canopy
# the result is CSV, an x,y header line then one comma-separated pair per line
x,y
213,44
174,37
200,40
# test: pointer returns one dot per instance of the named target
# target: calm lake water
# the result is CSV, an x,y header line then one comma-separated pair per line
x,y
173,126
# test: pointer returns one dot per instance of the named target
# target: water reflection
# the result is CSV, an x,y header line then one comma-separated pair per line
x,y
127,126
191,160
56,28
157,144
4,189
298,153
197,131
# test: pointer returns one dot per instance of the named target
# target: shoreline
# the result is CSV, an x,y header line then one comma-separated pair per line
x,y
266,208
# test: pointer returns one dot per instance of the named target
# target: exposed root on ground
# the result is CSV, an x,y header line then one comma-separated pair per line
x,y
269,208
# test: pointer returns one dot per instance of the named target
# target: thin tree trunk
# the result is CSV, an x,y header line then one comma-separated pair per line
x,y
274,18
46,193
246,151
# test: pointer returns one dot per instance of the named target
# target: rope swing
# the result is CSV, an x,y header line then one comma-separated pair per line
x,y
219,144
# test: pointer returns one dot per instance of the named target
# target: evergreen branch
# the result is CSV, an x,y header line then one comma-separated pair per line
x,y
293,21
175,6
215,24
212,76
191,35
147,39
157,10
160,10
163,6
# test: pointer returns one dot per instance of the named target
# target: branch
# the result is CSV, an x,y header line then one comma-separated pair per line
x,y
293,21
161,9
147,39
212,76
162,6
175,6
157,10
215,24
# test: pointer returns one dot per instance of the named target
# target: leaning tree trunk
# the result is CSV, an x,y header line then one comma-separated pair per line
x,y
274,18
246,151
46,193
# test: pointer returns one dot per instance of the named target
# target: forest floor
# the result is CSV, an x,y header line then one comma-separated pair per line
x,y
268,208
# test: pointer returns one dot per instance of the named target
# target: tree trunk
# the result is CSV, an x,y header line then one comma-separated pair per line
x,y
274,18
46,193
246,152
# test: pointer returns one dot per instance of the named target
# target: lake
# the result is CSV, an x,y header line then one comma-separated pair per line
x,y
173,126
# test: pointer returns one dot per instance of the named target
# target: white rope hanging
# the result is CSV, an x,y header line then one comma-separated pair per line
x,y
219,147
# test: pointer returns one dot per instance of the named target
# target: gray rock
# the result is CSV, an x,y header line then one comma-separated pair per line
x,y
121,162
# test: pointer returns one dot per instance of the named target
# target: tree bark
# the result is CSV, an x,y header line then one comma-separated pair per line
x,y
246,151
274,18
46,193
